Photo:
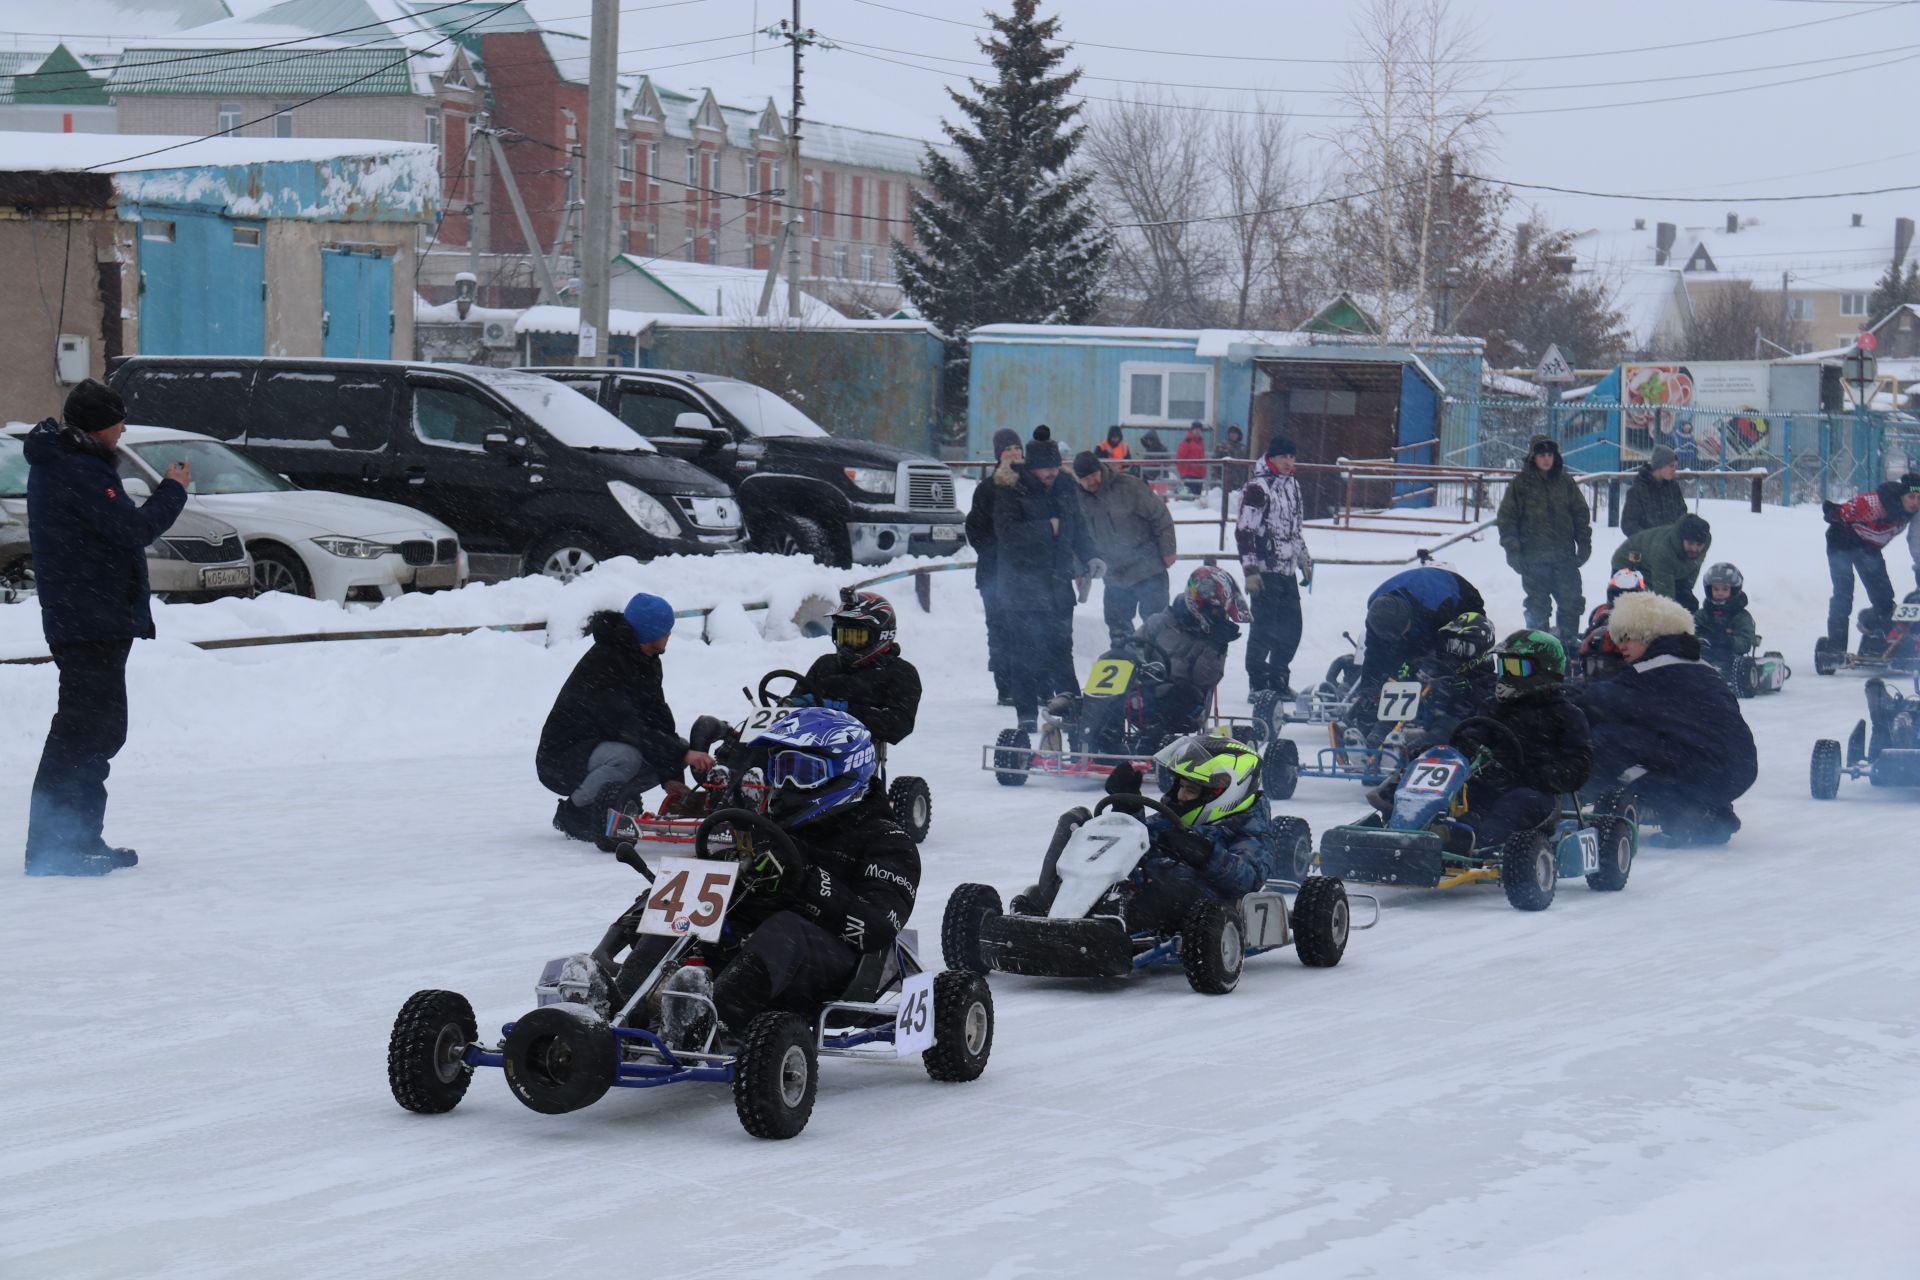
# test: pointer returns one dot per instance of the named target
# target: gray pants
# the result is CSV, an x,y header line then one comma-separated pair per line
x,y
1147,597
613,764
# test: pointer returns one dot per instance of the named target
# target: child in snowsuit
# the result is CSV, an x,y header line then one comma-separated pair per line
x,y
1723,625
1194,634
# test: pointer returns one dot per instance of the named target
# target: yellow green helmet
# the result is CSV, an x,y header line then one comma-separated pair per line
x,y
1227,773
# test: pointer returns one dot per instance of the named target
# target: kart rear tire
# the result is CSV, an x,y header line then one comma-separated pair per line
x,y
968,908
426,1052
1617,837
1293,849
1213,946
1743,686
1529,871
1013,754
962,1028
1280,775
1824,772
775,1076
1825,660
1615,803
1322,920
558,1061
912,803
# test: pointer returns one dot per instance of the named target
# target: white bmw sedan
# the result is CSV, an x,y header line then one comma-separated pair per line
x,y
327,545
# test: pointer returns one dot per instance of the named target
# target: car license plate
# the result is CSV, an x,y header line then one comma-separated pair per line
x,y
946,533
439,575
212,579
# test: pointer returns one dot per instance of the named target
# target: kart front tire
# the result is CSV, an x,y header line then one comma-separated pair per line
x,y
1280,775
962,1028
1616,855
1213,947
1293,848
1529,871
426,1052
1013,753
968,908
912,802
1824,772
1322,922
560,1058
1825,660
775,1076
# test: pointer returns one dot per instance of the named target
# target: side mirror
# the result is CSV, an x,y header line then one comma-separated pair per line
x,y
137,488
698,426
511,447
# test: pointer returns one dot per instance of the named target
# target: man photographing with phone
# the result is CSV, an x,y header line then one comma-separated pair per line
x,y
90,563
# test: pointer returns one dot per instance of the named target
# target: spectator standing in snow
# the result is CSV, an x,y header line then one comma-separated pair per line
x,y
610,733
1113,448
1269,537
1858,531
1039,540
1669,557
1547,534
1233,451
89,557
1132,539
1654,498
1192,455
1007,454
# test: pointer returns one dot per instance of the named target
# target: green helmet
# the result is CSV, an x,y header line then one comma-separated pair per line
x,y
1529,660
1227,773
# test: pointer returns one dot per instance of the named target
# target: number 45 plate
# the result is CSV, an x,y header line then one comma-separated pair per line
x,y
689,897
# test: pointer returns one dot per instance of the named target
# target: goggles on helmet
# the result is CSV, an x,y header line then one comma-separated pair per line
x,y
800,769
1517,667
851,636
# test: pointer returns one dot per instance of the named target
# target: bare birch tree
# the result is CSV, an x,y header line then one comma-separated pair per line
x,y
1150,158
1255,159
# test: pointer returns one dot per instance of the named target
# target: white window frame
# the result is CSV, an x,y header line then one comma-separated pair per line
x,y
1800,309
866,264
228,111
840,262
1131,367
693,169
1853,304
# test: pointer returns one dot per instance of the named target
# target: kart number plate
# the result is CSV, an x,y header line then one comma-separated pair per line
x,y
1907,612
1264,918
1109,677
913,1021
1428,777
1589,852
758,720
689,897
1399,701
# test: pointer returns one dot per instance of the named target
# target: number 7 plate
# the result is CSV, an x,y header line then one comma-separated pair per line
x,y
689,897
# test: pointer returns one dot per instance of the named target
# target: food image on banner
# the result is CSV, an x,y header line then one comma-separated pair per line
x,y
1705,411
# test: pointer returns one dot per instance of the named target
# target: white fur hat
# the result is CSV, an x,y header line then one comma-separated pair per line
x,y
1644,616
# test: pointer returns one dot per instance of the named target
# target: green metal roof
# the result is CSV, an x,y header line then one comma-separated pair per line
x,y
263,73
53,79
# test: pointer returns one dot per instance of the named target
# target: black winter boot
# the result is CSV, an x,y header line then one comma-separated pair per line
x,y
743,989
575,823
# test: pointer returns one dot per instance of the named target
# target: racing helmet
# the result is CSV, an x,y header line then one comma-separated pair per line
x,y
1467,637
1724,574
1529,660
817,761
1212,593
1623,581
1227,773
864,627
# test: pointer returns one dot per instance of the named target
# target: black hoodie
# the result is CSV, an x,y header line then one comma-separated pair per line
x,y
613,695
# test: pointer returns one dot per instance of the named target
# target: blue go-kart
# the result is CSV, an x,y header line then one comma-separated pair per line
x,y
1420,843
568,1052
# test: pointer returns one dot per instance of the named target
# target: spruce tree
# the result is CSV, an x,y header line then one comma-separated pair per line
x,y
1893,289
1008,234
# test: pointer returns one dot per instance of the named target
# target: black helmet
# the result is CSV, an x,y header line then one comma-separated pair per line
x,y
1530,660
1467,637
864,627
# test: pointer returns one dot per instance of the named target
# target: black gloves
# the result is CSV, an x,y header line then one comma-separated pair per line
x,y
1123,781
1831,511
1189,847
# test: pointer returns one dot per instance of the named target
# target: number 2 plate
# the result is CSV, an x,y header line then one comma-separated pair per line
x,y
913,1022
1399,701
1109,677
689,897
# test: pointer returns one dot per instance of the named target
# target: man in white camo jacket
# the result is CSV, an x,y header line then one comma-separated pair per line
x,y
1272,551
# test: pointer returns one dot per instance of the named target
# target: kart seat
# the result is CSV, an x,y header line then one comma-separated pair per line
x,y
876,972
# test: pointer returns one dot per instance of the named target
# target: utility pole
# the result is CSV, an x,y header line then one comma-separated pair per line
x,y
792,190
480,222
596,253
1443,248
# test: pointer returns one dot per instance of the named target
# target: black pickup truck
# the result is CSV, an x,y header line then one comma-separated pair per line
x,y
801,490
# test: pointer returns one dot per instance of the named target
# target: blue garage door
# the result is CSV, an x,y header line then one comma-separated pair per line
x,y
1419,424
356,295
202,286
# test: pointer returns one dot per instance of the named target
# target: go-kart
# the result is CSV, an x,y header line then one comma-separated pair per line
x,y
1420,844
1890,758
1895,647
577,1044
738,778
1756,673
1084,933
1350,755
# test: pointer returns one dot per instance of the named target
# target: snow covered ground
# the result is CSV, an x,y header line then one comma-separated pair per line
x,y
1713,1073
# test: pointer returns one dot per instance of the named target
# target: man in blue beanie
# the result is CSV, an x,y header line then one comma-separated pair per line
x,y
610,735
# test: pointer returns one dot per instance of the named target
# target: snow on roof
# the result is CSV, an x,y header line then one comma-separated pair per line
x,y
1510,386
1828,255
550,319
1243,343
1082,333
109,152
116,20
731,293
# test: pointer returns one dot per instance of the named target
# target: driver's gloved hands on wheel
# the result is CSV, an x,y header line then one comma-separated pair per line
x,y
1189,847
1123,781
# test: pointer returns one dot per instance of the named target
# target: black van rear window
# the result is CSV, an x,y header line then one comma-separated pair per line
x,y
210,401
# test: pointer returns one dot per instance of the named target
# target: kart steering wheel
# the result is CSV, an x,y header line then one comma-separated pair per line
x,y
1499,740
1149,652
1127,800
776,842
800,686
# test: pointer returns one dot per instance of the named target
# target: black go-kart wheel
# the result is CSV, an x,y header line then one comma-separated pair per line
x,y
1213,946
426,1053
1013,753
969,907
1826,660
1616,855
1293,849
1743,685
962,1027
1322,920
560,1058
1824,773
775,1076
1280,775
1616,802
1529,870
912,802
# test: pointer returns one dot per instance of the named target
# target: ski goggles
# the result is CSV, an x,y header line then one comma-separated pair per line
x,y
799,769
851,637
1516,666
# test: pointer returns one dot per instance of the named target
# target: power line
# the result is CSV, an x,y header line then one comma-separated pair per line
x,y
1651,199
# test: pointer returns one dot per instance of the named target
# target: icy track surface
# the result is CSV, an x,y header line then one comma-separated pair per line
x,y
1714,1073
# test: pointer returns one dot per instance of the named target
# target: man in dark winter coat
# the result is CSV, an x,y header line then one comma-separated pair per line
x,y
1007,454
610,731
865,676
1405,615
1040,541
1547,534
1858,532
89,544
1273,549
1669,717
1133,545
1654,498
1669,557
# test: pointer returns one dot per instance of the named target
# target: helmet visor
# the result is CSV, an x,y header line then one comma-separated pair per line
x,y
1516,666
851,635
798,769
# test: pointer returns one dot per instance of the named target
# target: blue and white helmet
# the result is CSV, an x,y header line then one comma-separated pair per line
x,y
818,761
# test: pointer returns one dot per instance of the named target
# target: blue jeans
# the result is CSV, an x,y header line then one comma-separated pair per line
x,y
1872,568
613,765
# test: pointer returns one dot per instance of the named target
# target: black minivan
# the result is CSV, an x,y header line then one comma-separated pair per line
x,y
802,491
514,462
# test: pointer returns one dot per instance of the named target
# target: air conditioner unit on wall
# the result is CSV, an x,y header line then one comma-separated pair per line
x,y
497,333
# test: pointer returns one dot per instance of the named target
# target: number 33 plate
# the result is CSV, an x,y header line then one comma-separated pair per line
x,y
689,896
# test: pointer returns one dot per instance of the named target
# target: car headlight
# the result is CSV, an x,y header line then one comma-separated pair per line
x,y
161,549
352,548
644,510
873,480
